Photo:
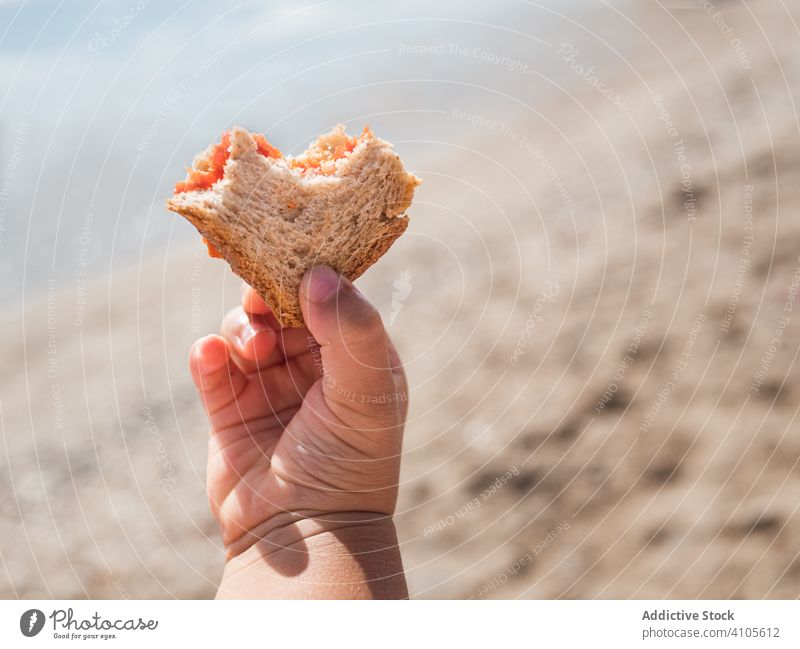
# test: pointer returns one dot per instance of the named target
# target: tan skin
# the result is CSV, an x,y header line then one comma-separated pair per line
x,y
304,453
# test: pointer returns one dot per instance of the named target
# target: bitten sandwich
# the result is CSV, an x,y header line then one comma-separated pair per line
x,y
341,203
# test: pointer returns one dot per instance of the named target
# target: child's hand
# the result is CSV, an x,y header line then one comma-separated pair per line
x,y
304,454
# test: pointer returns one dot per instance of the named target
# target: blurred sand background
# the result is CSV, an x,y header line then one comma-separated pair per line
x,y
568,248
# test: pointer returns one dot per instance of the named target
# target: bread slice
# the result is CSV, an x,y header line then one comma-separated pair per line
x,y
273,219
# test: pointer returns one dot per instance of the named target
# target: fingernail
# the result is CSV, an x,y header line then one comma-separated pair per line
x,y
324,283
246,334
244,331
207,360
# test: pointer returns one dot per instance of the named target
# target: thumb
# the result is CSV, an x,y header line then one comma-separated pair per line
x,y
354,346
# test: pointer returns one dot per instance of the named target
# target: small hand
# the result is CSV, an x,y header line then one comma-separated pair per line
x,y
306,424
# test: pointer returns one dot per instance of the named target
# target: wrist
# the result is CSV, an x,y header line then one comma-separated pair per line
x,y
338,555
284,530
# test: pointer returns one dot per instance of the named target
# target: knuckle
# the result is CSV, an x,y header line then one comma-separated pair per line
x,y
359,317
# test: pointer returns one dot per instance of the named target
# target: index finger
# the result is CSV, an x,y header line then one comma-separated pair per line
x,y
252,302
292,341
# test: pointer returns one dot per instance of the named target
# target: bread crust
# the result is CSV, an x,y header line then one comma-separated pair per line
x,y
272,223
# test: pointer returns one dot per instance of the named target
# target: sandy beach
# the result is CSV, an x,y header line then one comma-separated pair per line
x,y
598,317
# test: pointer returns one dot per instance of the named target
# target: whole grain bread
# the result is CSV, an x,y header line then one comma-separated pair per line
x,y
272,223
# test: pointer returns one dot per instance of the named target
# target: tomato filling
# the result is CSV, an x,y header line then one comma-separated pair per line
x,y
211,169
321,157
212,250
